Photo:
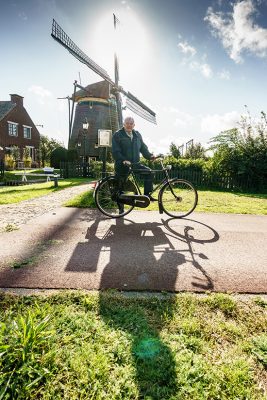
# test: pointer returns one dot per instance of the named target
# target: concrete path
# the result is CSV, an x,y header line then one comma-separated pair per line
x,y
78,248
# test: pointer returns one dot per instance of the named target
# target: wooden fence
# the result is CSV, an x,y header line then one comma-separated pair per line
x,y
200,179
211,180
74,170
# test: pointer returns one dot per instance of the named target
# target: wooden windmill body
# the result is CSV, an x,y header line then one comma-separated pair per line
x,y
99,103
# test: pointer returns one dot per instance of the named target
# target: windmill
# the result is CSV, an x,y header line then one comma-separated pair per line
x,y
112,89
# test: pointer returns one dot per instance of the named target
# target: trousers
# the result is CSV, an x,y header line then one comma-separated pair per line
x,y
139,169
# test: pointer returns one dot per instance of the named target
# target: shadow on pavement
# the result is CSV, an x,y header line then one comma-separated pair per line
x,y
143,256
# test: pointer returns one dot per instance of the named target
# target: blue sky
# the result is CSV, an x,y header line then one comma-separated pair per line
x,y
195,63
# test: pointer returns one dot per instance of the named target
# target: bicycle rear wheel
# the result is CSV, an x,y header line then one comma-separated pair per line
x,y
178,198
106,198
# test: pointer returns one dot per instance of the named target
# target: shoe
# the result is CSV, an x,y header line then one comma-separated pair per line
x,y
121,208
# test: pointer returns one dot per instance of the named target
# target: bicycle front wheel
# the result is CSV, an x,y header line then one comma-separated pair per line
x,y
106,199
178,198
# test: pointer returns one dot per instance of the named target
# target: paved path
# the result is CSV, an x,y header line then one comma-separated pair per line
x,y
78,248
18,214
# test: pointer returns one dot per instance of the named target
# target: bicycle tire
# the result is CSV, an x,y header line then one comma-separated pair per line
x,y
178,198
104,201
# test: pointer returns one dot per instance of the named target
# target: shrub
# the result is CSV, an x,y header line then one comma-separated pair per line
x,y
96,168
9,161
57,155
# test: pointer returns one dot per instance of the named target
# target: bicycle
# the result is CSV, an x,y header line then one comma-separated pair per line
x,y
177,197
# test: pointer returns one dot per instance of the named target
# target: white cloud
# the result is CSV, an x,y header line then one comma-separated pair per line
x,y
224,74
190,60
39,91
214,124
23,16
203,68
186,48
182,118
237,31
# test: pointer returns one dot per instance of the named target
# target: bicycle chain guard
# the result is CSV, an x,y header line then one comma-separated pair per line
x,y
136,200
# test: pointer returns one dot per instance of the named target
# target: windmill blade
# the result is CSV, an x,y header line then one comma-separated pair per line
x,y
60,36
139,108
132,102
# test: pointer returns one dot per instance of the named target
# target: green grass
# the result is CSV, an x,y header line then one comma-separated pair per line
x,y
15,194
209,201
108,345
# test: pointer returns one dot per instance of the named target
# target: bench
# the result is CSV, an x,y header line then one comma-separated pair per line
x,y
48,170
25,174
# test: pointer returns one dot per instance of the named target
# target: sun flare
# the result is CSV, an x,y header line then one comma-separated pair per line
x,y
130,40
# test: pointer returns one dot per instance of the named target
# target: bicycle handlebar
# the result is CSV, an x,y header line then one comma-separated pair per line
x,y
160,157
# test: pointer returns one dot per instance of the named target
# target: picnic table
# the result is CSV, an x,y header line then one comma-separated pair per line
x,y
48,173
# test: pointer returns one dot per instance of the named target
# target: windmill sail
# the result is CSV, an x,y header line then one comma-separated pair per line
x,y
139,108
60,36
132,102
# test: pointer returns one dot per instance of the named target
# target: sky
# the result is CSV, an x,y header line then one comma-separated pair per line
x,y
199,64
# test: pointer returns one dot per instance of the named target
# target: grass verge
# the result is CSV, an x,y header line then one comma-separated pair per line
x,y
209,201
108,345
15,194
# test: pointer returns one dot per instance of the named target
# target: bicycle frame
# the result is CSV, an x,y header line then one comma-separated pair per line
x,y
165,180
133,197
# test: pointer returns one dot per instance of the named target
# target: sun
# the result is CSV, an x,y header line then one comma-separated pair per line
x,y
130,40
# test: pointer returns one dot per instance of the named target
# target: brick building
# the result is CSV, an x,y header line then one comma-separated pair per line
x,y
17,128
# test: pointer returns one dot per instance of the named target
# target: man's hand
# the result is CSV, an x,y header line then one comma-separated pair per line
x,y
126,162
153,158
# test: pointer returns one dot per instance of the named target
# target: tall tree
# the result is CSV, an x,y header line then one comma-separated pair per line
x,y
242,151
195,151
47,145
174,150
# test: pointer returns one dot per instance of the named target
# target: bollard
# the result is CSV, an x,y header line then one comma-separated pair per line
x,y
55,180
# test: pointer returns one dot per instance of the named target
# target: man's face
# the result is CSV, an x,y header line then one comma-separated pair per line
x,y
128,125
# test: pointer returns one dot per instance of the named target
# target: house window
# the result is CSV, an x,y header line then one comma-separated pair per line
x,y
27,132
32,152
12,128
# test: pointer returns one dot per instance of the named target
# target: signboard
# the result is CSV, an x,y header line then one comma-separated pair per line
x,y
104,137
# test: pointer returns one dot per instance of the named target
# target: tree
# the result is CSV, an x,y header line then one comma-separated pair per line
x,y
175,152
57,155
195,151
47,145
242,151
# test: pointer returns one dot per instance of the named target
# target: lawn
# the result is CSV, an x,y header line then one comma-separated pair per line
x,y
15,194
109,345
208,201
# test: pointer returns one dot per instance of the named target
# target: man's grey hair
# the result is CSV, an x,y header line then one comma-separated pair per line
x,y
128,119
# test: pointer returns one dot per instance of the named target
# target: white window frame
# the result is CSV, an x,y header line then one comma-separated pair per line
x,y
10,131
32,152
27,127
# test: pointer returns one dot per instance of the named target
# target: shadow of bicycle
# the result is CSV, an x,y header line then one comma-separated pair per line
x,y
130,255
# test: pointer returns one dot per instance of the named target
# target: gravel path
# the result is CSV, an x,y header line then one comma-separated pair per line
x,y
16,214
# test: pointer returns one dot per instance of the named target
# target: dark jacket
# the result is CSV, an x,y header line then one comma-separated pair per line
x,y
123,148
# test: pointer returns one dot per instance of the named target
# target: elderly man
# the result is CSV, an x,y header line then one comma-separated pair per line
x,y
127,144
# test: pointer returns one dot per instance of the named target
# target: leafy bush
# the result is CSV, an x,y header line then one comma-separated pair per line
x,y
243,152
57,155
96,168
72,155
9,162
178,163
